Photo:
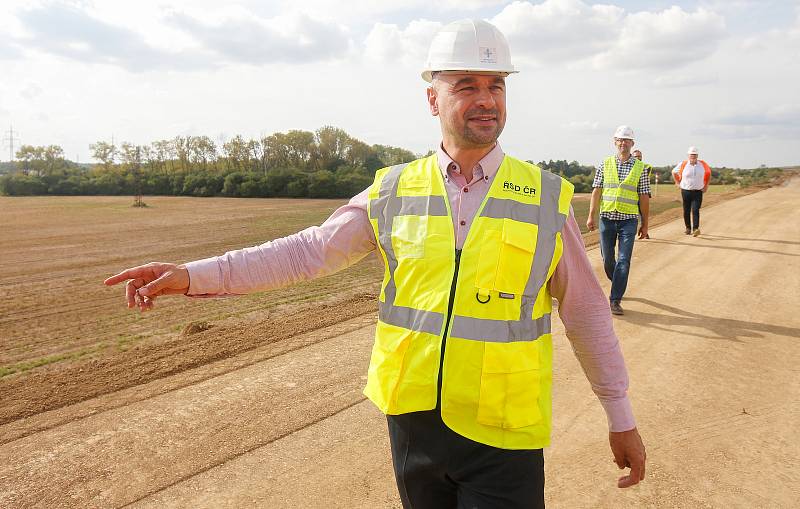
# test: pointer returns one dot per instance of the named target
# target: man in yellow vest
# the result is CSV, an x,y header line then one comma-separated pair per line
x,y
474,244
622,183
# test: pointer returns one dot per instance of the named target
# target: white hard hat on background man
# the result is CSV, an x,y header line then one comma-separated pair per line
x,y
624,132
469,45
692,151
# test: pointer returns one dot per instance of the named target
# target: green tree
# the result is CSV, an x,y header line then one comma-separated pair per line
x,y
104,152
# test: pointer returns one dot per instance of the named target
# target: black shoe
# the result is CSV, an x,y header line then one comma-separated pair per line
x,y
616,309
687,231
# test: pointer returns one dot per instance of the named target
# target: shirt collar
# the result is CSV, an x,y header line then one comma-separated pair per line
x,y
630,159
488,165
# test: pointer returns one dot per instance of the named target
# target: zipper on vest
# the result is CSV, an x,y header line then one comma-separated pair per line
x,y
446,328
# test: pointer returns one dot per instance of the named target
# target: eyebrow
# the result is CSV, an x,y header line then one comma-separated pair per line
x,y
471,79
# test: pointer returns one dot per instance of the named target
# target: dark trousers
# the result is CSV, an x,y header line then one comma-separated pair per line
x,y
692,200
436,468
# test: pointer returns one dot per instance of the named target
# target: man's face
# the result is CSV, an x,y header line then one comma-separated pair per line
x,y
637,154
624,146
470,107
693,158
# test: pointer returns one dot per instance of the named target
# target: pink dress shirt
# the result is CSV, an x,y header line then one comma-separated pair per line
x,y
346,237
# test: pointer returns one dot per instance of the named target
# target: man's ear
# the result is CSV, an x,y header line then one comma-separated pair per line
x,y
432,101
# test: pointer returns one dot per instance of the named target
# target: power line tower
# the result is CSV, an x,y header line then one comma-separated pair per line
x,y
10,139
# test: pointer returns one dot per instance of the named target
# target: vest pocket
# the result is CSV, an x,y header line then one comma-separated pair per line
x,y
386,364
403,368
506,258
509,392
516,256
408,236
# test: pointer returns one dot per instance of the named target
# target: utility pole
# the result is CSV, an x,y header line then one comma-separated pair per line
x,y
10,138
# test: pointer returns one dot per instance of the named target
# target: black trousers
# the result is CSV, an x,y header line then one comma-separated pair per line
x,y
436,468
692,200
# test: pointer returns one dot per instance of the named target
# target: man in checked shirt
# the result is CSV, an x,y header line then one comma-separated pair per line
x,y
622,183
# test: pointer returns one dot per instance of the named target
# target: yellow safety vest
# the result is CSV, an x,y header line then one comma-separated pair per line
x,y
497,365
620,196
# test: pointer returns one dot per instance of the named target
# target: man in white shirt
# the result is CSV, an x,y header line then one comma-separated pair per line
x,y
692,177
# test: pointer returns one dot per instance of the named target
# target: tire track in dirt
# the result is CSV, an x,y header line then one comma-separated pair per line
x,y
251,449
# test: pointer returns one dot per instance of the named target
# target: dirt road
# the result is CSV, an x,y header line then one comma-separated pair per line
x,y
710,336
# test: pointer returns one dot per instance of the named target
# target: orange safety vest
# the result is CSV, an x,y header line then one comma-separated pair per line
x,y
706,175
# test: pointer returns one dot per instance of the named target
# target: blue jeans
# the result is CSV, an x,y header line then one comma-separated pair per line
x,y
617,267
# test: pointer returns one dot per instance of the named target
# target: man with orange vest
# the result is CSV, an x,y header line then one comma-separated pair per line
x,y
692,177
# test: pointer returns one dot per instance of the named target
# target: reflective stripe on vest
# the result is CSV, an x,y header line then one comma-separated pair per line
x,y
620,196
501,300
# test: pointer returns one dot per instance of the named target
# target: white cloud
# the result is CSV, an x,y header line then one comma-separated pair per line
x,y
191,44
71,32
684,80
388,43
776,39
780,121
384,10
287,39
664,40
558,31
571,33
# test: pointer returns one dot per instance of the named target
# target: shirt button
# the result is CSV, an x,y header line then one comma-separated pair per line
x,y
463,223
466,189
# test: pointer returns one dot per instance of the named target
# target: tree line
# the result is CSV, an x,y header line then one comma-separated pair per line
x,y
327,163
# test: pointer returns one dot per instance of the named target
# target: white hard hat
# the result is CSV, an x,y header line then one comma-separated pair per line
x,y
692,150
624,132
469,45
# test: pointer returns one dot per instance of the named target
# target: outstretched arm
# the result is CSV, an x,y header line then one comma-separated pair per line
x,y
342,240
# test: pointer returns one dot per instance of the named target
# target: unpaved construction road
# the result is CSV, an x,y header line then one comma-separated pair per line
x,y
711,336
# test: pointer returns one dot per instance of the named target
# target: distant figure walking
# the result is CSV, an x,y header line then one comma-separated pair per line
x,y
648,169
622,184
692,177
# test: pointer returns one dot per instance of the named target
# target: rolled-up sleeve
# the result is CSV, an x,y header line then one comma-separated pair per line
x,y
584,310
342,240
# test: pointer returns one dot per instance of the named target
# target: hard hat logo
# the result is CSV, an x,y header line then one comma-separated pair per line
x,y
469,45
488,55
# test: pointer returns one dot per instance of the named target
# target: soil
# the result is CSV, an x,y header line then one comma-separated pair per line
x,y
262,407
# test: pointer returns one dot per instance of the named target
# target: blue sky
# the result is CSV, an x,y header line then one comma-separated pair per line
x,y
720,75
